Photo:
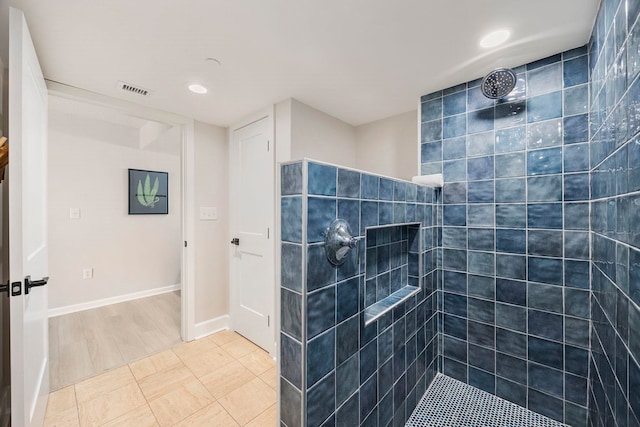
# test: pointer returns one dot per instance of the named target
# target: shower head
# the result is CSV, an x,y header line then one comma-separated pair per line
x,y
498,83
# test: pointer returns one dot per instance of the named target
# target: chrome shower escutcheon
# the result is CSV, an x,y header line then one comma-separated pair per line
x,y
338,241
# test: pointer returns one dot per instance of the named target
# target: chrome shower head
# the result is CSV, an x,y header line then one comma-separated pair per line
x,y
498,83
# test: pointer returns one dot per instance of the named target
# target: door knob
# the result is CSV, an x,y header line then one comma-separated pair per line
x,y
235,241
28,283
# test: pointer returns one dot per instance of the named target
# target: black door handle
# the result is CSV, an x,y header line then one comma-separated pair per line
x,y
235,241
28,284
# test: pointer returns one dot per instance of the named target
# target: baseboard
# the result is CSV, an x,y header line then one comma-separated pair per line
x,y
211,326
53,312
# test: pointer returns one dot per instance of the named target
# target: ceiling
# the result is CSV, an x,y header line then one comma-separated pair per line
x,y
358,60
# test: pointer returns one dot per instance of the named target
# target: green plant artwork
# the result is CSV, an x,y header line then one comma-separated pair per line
x,y
147,195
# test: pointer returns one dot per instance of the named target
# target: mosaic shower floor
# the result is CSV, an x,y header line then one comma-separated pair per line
x,y
451,403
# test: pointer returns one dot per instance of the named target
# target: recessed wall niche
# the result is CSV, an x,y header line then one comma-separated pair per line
x,y
392,266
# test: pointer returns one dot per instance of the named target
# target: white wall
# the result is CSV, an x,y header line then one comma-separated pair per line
x,y
129,253
212,237
319,136
388,146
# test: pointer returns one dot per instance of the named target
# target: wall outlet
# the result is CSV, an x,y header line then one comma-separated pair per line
x,y
208,214
74,213
87,273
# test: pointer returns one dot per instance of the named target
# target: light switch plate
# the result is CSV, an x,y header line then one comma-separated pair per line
x,y
208,213
74,213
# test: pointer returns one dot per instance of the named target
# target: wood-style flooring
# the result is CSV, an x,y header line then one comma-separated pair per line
x,y
87,343
220,380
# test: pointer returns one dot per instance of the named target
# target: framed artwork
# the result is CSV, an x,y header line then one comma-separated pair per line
x,y
148,192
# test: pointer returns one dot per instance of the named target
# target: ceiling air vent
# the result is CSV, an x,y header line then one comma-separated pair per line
x,y
127,87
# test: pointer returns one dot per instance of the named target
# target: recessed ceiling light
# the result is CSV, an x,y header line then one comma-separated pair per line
x,y
196,88
495,38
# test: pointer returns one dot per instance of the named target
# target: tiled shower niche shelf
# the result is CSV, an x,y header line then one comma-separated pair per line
x,y
392,266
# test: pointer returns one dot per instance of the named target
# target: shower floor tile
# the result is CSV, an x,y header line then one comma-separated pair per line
x,y
451,403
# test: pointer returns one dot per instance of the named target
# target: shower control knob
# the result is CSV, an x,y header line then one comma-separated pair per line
x,y
338,242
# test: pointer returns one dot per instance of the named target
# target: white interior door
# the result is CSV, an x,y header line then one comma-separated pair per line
x,y
27,175
252,287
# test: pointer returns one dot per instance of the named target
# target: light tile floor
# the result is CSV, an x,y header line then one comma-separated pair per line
x,y
221,380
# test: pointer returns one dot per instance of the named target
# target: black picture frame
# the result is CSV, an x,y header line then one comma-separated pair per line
x,y
148,192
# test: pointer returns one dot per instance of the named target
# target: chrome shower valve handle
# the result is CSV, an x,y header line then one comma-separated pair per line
x,y
338,242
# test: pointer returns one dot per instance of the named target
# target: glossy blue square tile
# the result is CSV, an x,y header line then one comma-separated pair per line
x,y
399,191
454,259
455,103
347,299
482,286
386,189
544,107
482,380
511,241
545,352
348,183
454,171
455,304
512,368
545,270
454,126
511,391
576,331
291,312
510,114
454,148
481,262
510,342
511,266
509,165
512,139
290,406
545,243
511,215
291,266
476,99
349,210
291,179
320,356
480,144
368,359
455,326
545,379
545,215
454,237
576,158
347,339
481,239
368,215
320,213
544,134
291,212
455,282
545,325
544,297
576,187
576,302
576,389
480,192
455,215
348,413
320,272
321,401
431,131
577,360
576,216
544,80
576,100
480,168
544,188
576,129
291,357
322,179
480,215
321,311
482,311
546,405
512,317
543,62
577,274
369,185
480,120
544,162
510,190
576,71
431,110
511,292
481,334
454,193
576,244
431,152
385,213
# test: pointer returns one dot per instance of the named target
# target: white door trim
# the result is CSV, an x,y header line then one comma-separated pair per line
x,y
188,328
268,113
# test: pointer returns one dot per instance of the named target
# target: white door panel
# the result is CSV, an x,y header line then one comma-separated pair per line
x,y
252,284
28,250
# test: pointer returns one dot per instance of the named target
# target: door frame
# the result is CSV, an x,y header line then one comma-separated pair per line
x,y
187,271
269,114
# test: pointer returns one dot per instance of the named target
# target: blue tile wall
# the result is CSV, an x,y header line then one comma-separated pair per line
x,y
515,290
614,61
334,369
